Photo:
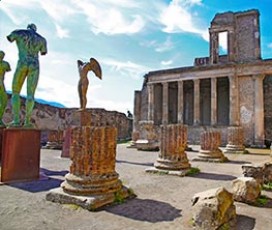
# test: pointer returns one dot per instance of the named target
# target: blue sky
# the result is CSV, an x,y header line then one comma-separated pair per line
x,y
129,38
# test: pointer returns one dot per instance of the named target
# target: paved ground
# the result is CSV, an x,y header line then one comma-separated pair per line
x,y
163,202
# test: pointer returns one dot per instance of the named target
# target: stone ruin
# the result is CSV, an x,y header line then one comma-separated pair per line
x,y
221,90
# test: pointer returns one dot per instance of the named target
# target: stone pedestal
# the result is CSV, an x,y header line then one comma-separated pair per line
x,y
172,156
235,140
210,141
135,136
148,140
92,181
81,118
20,154
1,137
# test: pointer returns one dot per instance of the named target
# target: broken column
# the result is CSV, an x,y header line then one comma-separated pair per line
x,y
210,141
235,140
148,140
92,181
172,155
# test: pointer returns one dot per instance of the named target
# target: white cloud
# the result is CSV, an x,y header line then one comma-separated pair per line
x,y
166,46
59,10
176,17
223,40
166,63
270,45
61,32
127,68
110,20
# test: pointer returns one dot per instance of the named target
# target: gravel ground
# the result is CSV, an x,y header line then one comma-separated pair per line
x,y
162,202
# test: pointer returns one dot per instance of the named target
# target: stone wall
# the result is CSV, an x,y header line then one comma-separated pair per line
x,y
49,118
268,109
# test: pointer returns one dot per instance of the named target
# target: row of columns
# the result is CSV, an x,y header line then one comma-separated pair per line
x,y
234,113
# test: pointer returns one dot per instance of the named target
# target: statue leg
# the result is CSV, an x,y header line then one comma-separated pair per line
x,y
32,82
3,105
17,83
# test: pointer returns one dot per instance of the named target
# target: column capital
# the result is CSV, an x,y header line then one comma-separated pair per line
x,y
258,76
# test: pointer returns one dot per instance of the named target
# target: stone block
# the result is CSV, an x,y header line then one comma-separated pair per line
x,y
255,171
246,189
213,209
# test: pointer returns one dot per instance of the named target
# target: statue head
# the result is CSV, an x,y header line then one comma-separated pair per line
x,y
32,26
2,55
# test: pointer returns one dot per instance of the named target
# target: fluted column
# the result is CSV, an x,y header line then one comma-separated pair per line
x,y
150,115
180,102
235,140
258,111
165,109
210,141
234,101
172,154
213,101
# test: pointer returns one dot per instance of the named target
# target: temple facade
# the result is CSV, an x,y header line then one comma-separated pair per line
x,y
218,91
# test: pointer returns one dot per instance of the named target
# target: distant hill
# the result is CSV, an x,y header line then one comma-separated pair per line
x,y
44,102
51,103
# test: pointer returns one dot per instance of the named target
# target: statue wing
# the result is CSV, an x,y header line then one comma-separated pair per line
x,y
95,67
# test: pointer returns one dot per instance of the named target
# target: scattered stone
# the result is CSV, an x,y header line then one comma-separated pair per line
x,y
246,189
214,209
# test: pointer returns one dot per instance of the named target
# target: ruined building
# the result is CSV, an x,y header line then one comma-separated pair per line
x,y
218,91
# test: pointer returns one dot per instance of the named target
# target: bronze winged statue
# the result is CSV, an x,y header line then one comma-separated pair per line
x,y
84,68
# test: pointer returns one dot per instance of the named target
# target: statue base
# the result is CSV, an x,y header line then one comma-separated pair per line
x,y
20,155
1,138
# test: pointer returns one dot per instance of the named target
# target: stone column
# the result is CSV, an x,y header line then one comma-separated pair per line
x,y
214,46
180,102
234,101
150,114
172,154
210,141
165,97
137,109
213,101
231,45
147,139
235,140
258,111
196,102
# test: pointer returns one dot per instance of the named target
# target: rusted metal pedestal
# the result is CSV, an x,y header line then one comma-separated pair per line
x,y
1,137
20,155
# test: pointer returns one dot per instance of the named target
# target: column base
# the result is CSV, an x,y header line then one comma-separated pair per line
x,y
235,149
166,164
215,155
180,172
90,202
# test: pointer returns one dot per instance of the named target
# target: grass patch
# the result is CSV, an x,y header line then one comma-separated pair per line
x,y
192,171
262,200
267,186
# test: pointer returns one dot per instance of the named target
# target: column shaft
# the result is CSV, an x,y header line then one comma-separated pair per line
x,y
258,111
165,109
180,102
213,101
234,103
150,115
196,102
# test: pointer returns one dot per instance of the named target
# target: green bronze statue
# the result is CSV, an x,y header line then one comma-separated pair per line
x,y
29,44
4,67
